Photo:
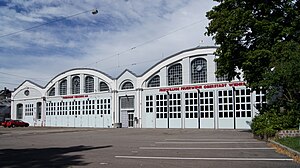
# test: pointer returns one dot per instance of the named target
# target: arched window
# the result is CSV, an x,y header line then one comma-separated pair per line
x,y
19,111
89,84
175,75
75,85
103,87
63,87
199,70
51,92
127,85
39,110
154,82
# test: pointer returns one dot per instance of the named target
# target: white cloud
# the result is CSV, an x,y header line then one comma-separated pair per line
x,y
86,39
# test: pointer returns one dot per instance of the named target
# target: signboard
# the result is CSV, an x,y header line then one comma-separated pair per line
x,y
206,86
75,96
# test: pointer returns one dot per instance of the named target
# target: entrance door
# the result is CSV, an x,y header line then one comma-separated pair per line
x,y
124,119
127,111
225,109
127,118
207,109
130,119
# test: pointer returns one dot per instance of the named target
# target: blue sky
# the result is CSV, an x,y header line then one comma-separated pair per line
x,y
125,34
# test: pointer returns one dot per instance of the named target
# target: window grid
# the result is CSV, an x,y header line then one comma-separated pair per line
x,y
59,108
77,107
28,109
50,108
260,99
207,104
103,87
52,92
175,105
225,104
89,84
19,111
199,70
222,78
127,102
175,75
65,108
103,105
161,106
149,104
242,103
127,85
191,105
76,85
63,87
154,82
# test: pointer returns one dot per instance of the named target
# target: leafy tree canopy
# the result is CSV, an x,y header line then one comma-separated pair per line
x,y
262,38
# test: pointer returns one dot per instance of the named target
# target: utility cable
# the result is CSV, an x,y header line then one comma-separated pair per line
x,y
144,43
43,24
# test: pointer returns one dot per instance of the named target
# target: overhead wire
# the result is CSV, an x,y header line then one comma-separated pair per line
x,y
108,57
23,77
10,83
43,24
37,26
132,64
144,43
117,54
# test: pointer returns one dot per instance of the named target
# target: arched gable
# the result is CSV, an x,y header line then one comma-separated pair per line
x,y
126,76
28,89
77,72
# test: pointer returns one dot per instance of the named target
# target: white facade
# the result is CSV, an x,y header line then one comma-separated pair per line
x,y
181,91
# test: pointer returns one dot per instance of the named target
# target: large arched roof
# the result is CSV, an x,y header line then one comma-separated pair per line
x,y
88,71
175,57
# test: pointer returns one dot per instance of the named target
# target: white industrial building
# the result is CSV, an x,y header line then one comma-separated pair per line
x,y
181,91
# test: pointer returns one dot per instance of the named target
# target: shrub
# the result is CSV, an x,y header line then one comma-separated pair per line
x,y
267,124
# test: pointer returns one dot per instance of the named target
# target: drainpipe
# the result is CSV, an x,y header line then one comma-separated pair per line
x,y
168,108
198,90
233,101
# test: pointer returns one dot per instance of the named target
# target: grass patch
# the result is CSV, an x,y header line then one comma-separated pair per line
x,y
291,142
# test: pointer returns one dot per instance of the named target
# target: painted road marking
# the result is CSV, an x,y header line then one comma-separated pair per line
x,y
211,139
172,148
228,142
219,159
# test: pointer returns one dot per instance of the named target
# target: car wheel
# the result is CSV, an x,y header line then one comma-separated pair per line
x,y
13,126
27,125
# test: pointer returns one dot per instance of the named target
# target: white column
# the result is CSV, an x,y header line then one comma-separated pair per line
x,y
139,107
82,83
185,71
211,68
115,110
96,84
163,77
69,85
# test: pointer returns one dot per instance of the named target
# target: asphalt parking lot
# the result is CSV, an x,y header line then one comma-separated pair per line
x,y
114,148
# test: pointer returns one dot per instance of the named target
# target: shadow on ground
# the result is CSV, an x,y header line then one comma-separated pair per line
x,y
44,157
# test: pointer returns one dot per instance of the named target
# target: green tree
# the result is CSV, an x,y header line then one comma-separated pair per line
x,y
262,38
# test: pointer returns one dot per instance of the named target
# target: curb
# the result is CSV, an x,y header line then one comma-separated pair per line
x,y
293,153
